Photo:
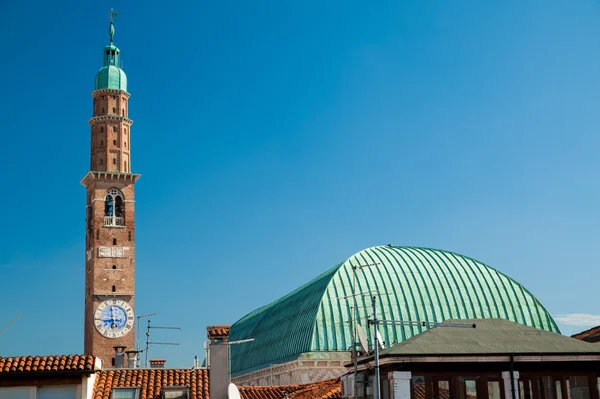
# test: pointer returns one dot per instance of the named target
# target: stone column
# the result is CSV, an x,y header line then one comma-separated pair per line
x,y
400,384
508,385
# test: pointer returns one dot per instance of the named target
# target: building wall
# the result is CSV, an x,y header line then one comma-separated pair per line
x,y
309,367
105,271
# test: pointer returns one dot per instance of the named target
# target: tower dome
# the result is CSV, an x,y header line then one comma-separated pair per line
x,y
111,76
410,284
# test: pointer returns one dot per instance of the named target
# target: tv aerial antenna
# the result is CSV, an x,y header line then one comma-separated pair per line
x,y
12,321
148,342
229,343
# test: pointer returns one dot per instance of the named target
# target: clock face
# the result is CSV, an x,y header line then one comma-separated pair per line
x,y
113,318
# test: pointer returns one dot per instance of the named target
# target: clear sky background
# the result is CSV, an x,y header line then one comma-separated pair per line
x,y
278,138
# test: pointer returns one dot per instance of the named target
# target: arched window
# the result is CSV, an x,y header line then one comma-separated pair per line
x,y
114,209
102,129
114,110
114,267
125,144
114,288
114,161
125,167
114,241
114,128
114,142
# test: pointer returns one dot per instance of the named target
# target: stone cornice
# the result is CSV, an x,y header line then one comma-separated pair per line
x,y
113,92
110,118
93,176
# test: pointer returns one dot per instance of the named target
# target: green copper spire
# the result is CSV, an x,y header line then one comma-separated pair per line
x,y
111,76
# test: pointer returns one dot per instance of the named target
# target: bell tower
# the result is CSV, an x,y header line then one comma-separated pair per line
x,y
110,214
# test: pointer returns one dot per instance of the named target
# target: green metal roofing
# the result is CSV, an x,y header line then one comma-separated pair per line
x,y
111,76
413,284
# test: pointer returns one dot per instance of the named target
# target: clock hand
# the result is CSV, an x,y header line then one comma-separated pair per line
x,y
112,313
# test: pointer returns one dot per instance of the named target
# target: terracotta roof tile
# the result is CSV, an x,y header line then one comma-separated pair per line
x,y
330,389
19,364
218,331
591,335
151,382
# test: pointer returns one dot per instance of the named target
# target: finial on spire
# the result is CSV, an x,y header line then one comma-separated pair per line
x,y
111,29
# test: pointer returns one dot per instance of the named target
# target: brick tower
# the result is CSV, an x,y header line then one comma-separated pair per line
x,y
110,232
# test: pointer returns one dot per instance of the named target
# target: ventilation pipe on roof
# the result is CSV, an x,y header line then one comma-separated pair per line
x,y
132,358
119,356
157,363
218,359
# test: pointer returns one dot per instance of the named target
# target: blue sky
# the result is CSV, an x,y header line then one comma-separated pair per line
x,y
277,138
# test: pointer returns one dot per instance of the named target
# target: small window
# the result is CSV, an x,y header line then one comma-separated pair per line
x,y
102,129
125,166
101,143
125,144
101,162
123,112
114,267
114,161
114,142
114,241
102,111
97,234
113,362
125,131
130,236
114,128
114,110
125,393
175,392
114,288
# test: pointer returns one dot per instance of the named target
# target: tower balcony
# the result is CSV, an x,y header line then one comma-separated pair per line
x,y
114,221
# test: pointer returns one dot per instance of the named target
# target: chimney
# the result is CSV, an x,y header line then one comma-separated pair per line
x,y
218,359
157,363
132,358
119,356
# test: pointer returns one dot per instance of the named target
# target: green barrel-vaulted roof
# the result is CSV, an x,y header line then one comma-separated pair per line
x,y
412,284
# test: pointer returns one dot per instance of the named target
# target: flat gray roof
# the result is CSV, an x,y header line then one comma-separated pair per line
x,y
489,337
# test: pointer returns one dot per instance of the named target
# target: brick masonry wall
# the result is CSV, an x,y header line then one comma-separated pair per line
x,y
100,274
110,128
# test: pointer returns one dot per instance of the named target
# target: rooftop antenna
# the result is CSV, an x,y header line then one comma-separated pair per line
x,y
375,323
148,343
229,343
137,331
12,321
355,316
